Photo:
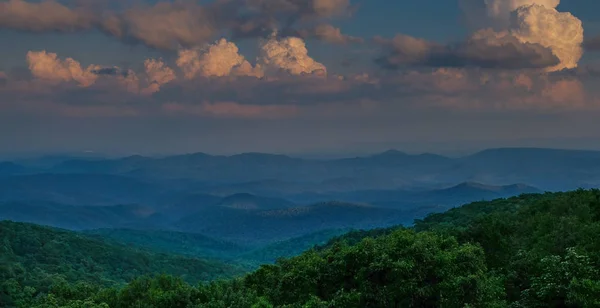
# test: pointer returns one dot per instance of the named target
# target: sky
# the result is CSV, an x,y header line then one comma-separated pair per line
x,y
297,76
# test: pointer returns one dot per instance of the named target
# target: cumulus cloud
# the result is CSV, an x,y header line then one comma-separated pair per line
x,y
217,60
534,22
499,11
47,66
47,15
130,81
157,74
330,34
535,35
560,32
289,54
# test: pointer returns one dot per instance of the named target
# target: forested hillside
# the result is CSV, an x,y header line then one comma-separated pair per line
x,y
33,258
528,251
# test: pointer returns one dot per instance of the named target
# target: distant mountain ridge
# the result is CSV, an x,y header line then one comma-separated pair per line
x,y
262,198
548,169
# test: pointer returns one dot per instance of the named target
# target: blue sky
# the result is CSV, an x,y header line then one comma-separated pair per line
x,y
426,86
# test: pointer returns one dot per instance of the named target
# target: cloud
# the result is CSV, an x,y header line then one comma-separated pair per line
x,y
485,49
531,21
109,71
405,49
500,11
289,54
165,25
48,67
232,110
496,14
566,90
534,36
327,8
330,34
131,82
157,74
170,25
217,60
477,90
560,32
300,9
47,15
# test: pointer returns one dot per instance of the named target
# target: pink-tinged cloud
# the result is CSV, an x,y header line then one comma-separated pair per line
x,y
157,74
568,93
217,60
48,67
47,15
326,8
165,25
330,34
130,81
290,55
558,31
442,80
523,80
232,110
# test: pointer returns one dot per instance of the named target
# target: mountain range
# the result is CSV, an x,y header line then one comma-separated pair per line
x,y
260,199
547,169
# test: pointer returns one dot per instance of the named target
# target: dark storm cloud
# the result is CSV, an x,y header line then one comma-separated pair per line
x,y
485,49
170,25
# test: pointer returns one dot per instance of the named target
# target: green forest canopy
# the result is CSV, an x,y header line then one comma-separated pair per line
x,y
529,251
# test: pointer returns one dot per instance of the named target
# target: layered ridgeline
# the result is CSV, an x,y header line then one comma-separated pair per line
x,y
241,218
284,176
527,251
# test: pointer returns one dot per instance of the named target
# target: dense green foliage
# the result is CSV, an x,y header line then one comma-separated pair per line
x,y
545,247
32,258
528,251
189,244
289,248
197,245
